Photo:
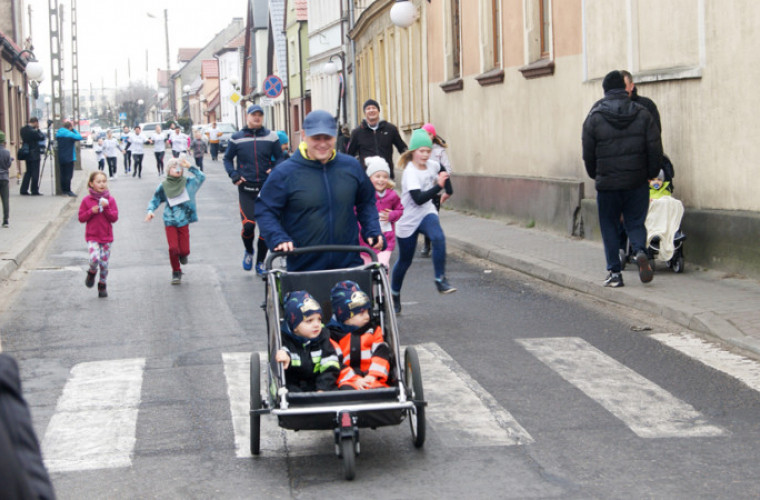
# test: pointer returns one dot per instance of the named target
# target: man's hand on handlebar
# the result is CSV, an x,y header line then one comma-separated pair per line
x,y
376,243
286,246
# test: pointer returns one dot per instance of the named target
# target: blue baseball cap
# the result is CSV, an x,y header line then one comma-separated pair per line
x,y
255,108
319,122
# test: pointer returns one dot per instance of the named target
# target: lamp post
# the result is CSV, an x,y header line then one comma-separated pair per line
x,y
33,69
186,105
234,82
140,111
168,67
47,107
331,68
159,105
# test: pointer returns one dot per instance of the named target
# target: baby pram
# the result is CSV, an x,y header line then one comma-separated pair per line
x,y
344,411
664,236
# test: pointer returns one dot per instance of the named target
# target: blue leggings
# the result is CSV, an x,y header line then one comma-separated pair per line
x,y
430,227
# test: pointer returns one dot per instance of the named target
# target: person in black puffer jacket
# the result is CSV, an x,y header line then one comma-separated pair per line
x,y
622,150
375,137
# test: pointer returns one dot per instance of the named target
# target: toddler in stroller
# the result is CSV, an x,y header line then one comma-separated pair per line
x,y
664,236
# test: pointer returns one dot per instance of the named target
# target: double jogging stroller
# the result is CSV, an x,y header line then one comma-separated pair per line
x,y
345,411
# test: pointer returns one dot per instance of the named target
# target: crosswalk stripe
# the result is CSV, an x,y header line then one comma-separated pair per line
x,y
95,422
460,407
739,367
447,388
646,408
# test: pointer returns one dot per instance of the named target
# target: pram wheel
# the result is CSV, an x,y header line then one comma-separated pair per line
x,y
676,263
348,452
413,380
255,404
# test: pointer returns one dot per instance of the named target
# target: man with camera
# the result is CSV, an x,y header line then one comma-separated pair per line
x,y
31,137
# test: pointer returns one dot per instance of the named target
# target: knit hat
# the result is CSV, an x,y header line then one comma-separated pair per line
x,y
420,139
613,80
376,164
298,306
429,128
2,136
348,300
371,102
283,137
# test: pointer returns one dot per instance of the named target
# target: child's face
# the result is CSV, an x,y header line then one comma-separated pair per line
x,y
379,180
655,183
99,183
310,327
359,319
421,155
175,171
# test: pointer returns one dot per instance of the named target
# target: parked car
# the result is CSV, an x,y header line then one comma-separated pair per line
x,y
149,128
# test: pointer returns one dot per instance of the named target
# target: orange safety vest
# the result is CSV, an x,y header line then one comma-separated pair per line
x,y
372,358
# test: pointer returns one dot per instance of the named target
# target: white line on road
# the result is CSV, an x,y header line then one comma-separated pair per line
x,y
741,368
646,408
95,420
460,407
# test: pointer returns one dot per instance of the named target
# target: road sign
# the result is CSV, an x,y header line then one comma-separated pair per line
x,y
266,101
235,97
272,86
122,116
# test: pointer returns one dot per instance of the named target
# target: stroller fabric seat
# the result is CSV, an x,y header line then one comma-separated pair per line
x,y
663,221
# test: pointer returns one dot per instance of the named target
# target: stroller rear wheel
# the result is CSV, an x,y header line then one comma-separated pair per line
x,y
676,263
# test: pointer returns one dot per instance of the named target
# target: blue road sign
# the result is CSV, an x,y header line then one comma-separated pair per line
x,y
122,116
272,86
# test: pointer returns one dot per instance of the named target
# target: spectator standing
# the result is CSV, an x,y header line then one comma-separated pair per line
x,y
622,150
214,134
257,150
317,197
375,137
5,165
633,93
31,135
67,138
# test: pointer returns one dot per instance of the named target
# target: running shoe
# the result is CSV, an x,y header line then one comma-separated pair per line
x,y
248,261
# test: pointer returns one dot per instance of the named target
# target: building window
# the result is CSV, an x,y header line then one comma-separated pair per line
x,y
490,36
545,23
538,39
452,23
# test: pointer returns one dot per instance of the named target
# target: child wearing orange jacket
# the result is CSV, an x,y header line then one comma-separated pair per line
x,y
365,356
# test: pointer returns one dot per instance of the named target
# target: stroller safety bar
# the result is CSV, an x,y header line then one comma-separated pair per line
x,y
311,410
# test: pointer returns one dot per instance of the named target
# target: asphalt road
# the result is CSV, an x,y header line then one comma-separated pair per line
x,y
534,392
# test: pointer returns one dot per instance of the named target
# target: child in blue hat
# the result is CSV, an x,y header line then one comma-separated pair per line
x,y
308,356
365,356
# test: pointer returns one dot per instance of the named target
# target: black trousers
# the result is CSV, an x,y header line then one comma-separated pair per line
x,y
137,171
111,165
67,172
160,161
127,160
247,194
31,177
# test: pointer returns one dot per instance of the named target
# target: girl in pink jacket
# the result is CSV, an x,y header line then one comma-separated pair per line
x,y
389,206
99,211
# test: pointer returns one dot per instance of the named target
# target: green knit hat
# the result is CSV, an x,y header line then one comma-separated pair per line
x,y
420,139
2,136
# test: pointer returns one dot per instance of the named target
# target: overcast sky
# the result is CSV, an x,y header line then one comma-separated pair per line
x,y
113,32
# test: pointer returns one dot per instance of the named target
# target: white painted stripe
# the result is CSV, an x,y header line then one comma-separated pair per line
x,y
460,407
741,368
646,408
95,421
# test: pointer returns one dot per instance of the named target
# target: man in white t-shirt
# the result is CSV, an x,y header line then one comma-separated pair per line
x,y
214,134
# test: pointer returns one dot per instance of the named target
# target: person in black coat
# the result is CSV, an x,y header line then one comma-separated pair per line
x,y
648,103
31,137
375,137
622,150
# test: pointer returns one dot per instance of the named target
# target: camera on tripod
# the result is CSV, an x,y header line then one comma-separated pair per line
x,y
49,122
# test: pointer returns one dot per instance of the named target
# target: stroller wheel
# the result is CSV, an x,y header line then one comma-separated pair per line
x,y
676,263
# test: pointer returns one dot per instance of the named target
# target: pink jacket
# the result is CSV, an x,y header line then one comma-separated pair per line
x,y
99,225
392,202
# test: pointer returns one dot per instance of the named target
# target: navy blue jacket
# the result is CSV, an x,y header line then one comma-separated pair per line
x,y
310,203
257,150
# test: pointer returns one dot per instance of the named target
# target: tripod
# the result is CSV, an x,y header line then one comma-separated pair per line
x,y
48,153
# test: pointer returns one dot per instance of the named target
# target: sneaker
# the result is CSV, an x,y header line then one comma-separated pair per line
x,y
396,302
183,259
102,292
248,261
72,194
5,224
176,277
23,193
37,194
646,273
614,280
443,286
260,269
425,252
89,281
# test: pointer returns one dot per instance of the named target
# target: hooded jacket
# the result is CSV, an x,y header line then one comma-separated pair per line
x,y
32,137
621,143
184,213
367,142
310,203
100,225
257,151
65,138
314,364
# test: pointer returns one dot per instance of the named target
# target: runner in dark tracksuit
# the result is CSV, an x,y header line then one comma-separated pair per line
x,y
257,150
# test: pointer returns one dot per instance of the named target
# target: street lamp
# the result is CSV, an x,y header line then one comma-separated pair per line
x,y
33,69
140,110
234,82
403,13
331,68
168,67
186,103
159,105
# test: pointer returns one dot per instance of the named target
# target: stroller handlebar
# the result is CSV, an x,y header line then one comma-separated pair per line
x,y
319,249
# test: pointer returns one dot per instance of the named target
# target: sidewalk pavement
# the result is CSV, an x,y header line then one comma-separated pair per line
x,y
721,306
